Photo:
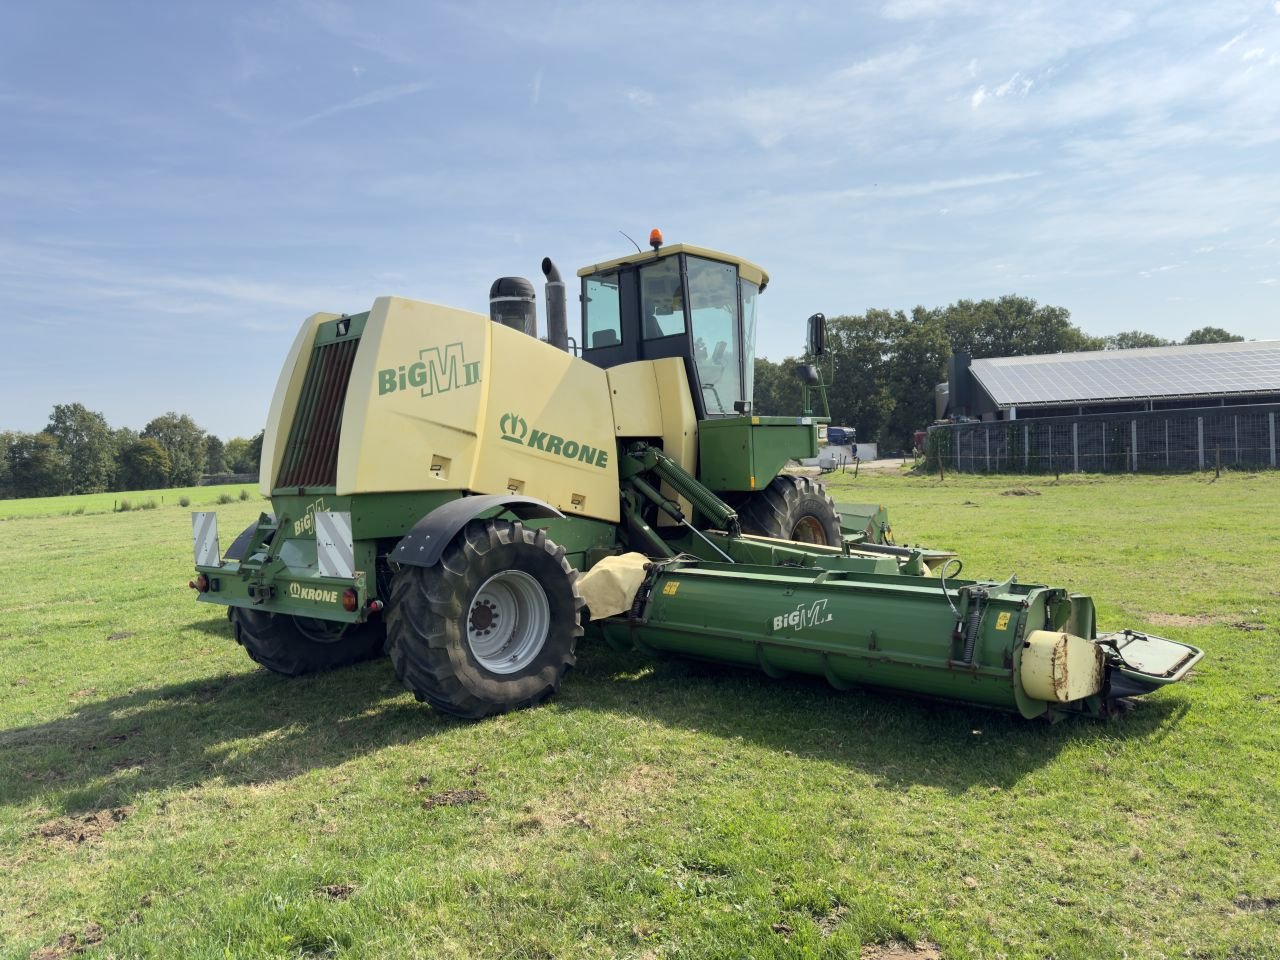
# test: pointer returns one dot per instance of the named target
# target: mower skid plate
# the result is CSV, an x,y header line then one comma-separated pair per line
x,y
1148,661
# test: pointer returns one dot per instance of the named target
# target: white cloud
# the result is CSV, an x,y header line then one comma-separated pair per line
x,y
1015,84
381,95
1270,281
922,9
535,93
1233,41
979,95
1253,54
900,191
638,97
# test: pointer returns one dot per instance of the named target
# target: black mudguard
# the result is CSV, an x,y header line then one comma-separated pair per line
x,y
423,545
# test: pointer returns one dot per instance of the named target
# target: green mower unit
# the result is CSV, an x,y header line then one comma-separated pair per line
x,y
471,500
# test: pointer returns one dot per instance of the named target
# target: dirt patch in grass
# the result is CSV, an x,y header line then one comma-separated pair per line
x,y
336,891
1181,619
114,739
831,920
897,950
453,798
71,943
77,830
121,635
1257,904
1248,627
1021,492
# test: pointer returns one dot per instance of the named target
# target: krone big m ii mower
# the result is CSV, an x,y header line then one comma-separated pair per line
x,y
450,489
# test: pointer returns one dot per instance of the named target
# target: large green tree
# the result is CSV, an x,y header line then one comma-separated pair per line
x,y
1129,339
7,439
1013,326
215,455
882,366
144,465
777,390
37,467
85,439
1212,335
242,455
183,442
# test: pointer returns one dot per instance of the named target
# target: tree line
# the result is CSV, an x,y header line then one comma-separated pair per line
x,y
881,367
79,452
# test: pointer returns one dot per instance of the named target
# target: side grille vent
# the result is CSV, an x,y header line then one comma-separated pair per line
x,y
311,457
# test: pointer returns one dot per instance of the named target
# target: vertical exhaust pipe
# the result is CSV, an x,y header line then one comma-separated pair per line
x,y
557,315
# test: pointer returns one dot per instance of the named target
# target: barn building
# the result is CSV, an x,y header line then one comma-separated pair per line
x,y
1153,408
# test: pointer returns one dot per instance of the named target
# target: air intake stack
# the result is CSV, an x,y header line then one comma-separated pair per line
x,y
513,304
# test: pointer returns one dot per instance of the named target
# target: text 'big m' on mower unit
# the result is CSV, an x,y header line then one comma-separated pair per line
x,y
451,490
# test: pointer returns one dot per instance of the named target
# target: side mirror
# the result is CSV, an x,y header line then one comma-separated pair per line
x,y
816,342
807,374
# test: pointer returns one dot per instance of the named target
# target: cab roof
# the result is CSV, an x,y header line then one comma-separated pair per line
x,y
746,269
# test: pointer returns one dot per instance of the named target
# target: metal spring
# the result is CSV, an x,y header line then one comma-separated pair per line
x,y
972,623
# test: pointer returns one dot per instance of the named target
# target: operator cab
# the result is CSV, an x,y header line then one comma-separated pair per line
x,y
678,301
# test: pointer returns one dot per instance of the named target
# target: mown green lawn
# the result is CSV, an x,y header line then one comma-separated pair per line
x,y
162,796
84,503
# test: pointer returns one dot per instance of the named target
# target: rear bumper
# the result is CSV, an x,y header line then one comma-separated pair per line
x,y
298,592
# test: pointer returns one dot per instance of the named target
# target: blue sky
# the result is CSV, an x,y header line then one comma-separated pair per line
x,y
182,183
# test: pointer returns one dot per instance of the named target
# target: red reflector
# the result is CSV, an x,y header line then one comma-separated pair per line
x,y
349,600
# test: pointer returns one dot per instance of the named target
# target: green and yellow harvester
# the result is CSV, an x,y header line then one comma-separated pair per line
x,y
450,490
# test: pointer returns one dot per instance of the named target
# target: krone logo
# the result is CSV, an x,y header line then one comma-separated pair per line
x,y
298,592
513,427
516,429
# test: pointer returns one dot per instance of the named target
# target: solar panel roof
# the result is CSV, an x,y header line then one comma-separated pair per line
x,y
1212,369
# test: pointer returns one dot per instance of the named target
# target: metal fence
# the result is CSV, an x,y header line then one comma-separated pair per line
x,y
1197,439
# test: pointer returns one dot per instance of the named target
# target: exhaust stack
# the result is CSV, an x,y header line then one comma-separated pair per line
x,y
557,315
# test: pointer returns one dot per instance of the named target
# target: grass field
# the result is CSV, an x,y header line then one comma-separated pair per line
x,y
162,796
87,503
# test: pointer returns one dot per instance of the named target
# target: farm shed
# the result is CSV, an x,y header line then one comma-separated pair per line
x,y
1152,408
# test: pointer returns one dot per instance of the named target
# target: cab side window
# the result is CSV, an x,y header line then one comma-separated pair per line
x,y
603,319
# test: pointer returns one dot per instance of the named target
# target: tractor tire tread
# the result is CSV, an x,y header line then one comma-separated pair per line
x,y
776,510
426,623
275,642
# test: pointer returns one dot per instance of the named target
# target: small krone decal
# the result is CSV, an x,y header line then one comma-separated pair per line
x,y
298,592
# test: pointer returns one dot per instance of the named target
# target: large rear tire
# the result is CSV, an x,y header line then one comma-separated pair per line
x,y
492,627
293,646
792,508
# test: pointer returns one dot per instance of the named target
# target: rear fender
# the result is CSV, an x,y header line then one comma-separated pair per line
x,y
423,545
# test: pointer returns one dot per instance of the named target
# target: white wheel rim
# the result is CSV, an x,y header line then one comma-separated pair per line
x,y
508,622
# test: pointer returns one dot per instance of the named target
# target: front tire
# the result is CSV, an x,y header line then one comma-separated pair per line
x,y
792,508
492,627
293,646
